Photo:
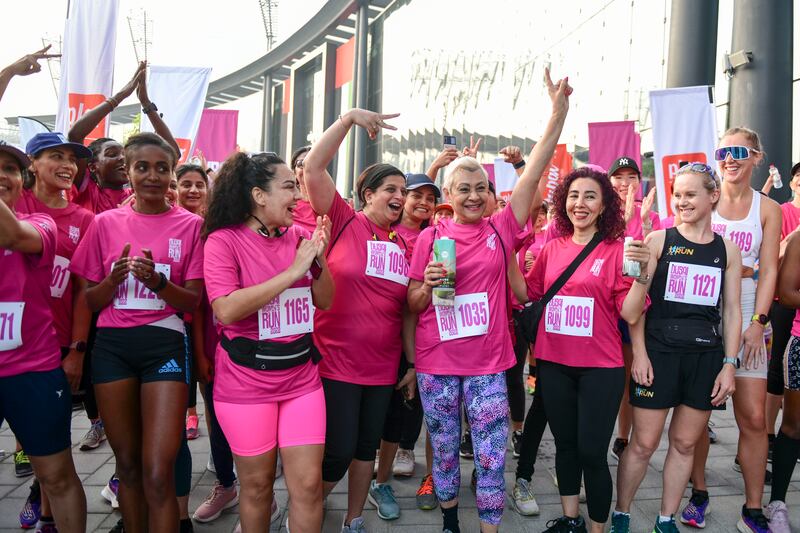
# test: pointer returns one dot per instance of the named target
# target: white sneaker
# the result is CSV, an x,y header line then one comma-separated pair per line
x,y
404,463
524,502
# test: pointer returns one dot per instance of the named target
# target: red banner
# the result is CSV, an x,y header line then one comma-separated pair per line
x,y
560,166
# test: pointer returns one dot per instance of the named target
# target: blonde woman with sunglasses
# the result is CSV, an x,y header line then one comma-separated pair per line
x,y
753,222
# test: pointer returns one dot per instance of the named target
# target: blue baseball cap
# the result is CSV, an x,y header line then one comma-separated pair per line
x,y
415,181
43,141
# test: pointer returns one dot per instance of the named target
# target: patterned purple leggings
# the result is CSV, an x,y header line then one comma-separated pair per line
x,y
486,402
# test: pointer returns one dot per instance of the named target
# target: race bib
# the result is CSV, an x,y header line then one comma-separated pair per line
x,y
693,284
60,279
570,315
133,294
742,235
11,325
289,313
387,261
468,317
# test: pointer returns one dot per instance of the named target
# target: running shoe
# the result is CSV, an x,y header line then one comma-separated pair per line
x,y
382,497
530,385
778,517
566,525
712,435
694,514
32,510
219,499
22,465
753,521
426,497
119,527
94,437
356,526
620,522
46,527
619,447
523,500
465,449
192,431
111,491
403,463
516,443
666,527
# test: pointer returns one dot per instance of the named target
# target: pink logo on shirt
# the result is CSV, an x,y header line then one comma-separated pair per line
x,y
74,234
491,241
677,280
554,313
598,264
377,259
447,317
719,229
175,250
271,317
122,293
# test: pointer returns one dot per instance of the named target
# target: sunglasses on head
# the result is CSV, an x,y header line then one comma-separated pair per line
x,y
736,152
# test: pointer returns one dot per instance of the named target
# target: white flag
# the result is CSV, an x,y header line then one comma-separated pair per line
x,y
28,127
505,178
684,131
87,62
179,93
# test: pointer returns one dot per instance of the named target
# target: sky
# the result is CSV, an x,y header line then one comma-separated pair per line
x,y
185,33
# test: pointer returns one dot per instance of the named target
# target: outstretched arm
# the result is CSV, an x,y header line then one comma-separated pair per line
x,y
24,66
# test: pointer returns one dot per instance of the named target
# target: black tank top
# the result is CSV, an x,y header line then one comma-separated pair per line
x,y
689,279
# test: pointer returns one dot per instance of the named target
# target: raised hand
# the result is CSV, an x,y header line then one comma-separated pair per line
x,y
372,121
444,158
559,93
647,205
472,149
630,201
132,85
29,64
141,86
121,267
511,154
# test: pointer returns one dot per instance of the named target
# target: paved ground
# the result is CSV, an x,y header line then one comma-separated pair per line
x,y
96,467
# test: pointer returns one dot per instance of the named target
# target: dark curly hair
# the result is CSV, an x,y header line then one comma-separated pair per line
x,y
231,202
610,223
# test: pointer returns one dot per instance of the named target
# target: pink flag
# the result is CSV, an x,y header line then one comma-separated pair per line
x,y
216,137
610,140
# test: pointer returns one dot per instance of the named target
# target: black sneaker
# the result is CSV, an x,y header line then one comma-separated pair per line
x,y
118,528
465,449
22,465
516,442
619,447
566,525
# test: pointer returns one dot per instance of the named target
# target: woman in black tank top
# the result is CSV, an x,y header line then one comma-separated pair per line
x,y
680,359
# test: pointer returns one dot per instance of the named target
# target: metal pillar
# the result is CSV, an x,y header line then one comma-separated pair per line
x,y
692,43
360,77
761,91
266,113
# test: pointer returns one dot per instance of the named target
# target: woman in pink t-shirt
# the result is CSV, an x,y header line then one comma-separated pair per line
x,y
463,349
304,215
264,277
578,346
360,336
144,265
35,396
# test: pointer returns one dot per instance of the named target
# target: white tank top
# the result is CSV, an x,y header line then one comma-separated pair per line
x,y
746,233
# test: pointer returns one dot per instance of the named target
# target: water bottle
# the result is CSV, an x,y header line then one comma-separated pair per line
x,y
776,177
630,268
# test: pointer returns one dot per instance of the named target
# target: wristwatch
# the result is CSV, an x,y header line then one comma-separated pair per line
x,y
519,164
78,346
149,107
761,319
731,360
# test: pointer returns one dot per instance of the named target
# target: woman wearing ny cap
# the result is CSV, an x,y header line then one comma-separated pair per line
x,y
144,265
263,286
35,395
360,336
463,350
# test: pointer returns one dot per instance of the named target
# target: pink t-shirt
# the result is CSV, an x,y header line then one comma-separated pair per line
x,y
409,235
634,227
360,336
534,246
582,318
304,216
791,219
481,287
72,222
236,258
173,238
668,222
93,198
28,341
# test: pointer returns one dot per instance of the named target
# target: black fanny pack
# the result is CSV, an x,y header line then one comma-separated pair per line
x,y
682,333
267,355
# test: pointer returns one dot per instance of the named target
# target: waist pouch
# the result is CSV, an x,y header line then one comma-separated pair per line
x,y
266,355
683,333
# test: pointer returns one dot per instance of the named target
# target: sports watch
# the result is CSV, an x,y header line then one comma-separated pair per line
x,y
761,319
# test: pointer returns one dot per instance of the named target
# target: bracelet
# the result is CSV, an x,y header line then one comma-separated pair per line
x,y
519,164
410,365
644,280
149,108
731,361
162,283
112,102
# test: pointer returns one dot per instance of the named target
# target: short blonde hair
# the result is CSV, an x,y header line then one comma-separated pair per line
x,y
462,164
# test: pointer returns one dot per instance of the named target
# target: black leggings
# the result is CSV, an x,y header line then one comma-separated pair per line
x,y
535,423
581,405
781,318
514,376
403,422
354,416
